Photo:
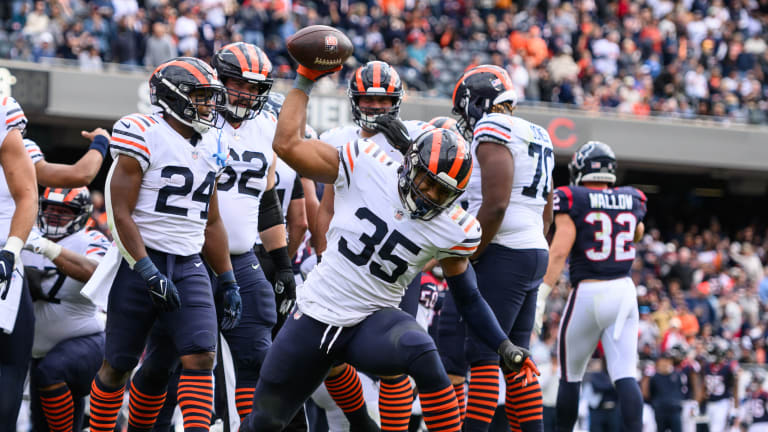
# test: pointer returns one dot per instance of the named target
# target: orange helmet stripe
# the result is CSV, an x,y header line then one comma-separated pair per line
x,y
461,151
71,195
234,49
256,65
392,80
434,156
493,70
189,68
359,80
464,182
376,75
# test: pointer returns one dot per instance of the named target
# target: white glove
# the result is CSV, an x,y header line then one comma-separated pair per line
x,y
42,246
541,306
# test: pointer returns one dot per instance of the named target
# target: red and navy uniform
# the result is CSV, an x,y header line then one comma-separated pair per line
x,y
757,406
718,379
605,222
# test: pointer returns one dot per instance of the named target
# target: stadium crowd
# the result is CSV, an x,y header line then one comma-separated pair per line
x,y
681,59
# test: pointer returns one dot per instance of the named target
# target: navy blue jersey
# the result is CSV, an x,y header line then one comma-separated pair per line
x,y
688,373
666,391
757,406
718,378
605,229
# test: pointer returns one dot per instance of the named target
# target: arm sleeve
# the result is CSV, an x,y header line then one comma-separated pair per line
x,y
298,189
474,309
270,212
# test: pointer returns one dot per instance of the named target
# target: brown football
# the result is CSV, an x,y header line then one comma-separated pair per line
x,y
319,47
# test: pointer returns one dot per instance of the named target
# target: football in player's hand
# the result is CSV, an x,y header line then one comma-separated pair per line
x,y
319,47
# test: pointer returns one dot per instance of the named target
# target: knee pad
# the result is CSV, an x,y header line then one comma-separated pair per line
x,y
414,343
428,372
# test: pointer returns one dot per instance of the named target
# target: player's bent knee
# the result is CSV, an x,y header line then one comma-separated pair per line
x,y
336,370
428,372
412,344
456,379
112,376
248,368
199,361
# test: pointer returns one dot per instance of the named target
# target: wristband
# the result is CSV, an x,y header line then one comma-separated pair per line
x,y
145,267
14,245
227,277
52,250
304,84
100,143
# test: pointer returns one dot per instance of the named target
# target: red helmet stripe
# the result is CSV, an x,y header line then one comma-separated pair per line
x,y
461,151
189,68
434,156
359,80
376,75
234,49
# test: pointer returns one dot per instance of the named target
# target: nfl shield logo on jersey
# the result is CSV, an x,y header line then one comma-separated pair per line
x,y
297,314
399,214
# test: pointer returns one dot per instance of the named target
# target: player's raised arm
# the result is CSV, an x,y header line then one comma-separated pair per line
x,y
309,157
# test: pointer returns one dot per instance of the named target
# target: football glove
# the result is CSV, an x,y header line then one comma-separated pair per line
x,y
517,359
314,75
285,284
228,297
7,260
162,291
395,131
541,306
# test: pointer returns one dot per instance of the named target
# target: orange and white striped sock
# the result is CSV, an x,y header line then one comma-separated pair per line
x,y
59,408
105,405
195,396
527,408
143,408
483,396
441,410
395,403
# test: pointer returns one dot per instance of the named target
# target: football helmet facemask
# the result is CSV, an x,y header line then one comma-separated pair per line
x,y
437,158
375,78
63,212
479,89
184,86
247,63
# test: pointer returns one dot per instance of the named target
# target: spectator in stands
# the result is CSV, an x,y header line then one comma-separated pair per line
x,y
159,47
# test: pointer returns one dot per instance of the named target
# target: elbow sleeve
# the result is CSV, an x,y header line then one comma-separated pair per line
x,y
270,212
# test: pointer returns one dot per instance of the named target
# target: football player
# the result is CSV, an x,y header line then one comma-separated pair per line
x,y
18,211
756,403
389,221
596,223
69,335
163,213
375,93
510,193
721,377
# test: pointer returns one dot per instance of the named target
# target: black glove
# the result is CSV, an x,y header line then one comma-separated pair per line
x,y
285,284
395,131
518,360
162,291
7,260
229,301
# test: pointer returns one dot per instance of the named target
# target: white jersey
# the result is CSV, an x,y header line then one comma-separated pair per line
x,y
374,247
288,182
66,313
244,181
172,208
531,148
11,116
339,136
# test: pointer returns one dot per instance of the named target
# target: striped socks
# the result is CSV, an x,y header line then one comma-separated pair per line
x,y
523,404
483,397
58,407
142,408
105,405
441,410
395,403
195,398
461,397
244,401
347,391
